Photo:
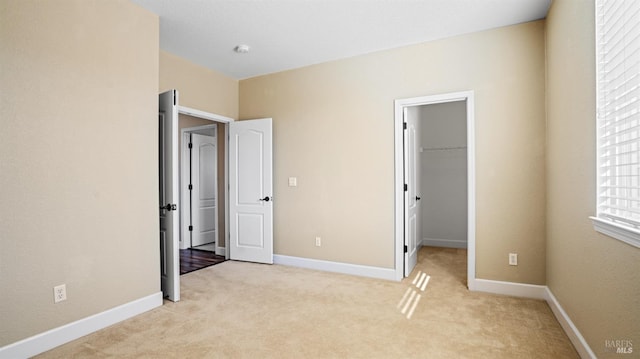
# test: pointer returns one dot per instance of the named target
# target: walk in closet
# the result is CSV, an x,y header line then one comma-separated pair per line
x,y
442,162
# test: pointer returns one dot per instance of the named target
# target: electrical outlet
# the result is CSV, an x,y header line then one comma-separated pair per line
x,y
59,293
513,259
318,241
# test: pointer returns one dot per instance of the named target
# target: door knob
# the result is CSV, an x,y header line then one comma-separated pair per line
x,y
266,199
417,198
169,207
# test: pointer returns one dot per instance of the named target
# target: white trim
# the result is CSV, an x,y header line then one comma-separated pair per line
x,y
471,178
570,329
471,190
540,292
398,191
185,166
202,127
446,243
626,234
227,236
510,288
55,337
220,250
185,216
336,267
203,114
226,121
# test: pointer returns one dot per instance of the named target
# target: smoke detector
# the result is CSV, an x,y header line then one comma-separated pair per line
x,y
241,49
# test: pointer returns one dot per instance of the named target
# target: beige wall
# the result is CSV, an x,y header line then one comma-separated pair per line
x,y
78,160
595,278
333,129
185,121
199,87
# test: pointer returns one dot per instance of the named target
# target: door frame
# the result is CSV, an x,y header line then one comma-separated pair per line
x,y
221,121
185,216
399,181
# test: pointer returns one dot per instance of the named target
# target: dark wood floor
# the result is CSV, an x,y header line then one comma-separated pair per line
x,y
194,259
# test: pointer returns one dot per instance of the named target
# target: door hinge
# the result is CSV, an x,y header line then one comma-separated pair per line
x,y
190,145
404,125
406,187
175,98
406,249
191,229
169,207
190,187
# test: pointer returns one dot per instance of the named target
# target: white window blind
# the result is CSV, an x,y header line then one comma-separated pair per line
x,y
618,102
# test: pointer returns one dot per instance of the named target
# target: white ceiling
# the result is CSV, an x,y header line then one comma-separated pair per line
x,y
287,34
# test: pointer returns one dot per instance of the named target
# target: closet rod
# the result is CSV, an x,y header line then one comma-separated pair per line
x,y
427,149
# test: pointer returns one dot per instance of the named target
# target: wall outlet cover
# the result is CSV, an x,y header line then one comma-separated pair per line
x,y
59,293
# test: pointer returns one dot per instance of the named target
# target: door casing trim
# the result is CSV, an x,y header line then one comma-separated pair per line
x,y
185,216
223,121
399,180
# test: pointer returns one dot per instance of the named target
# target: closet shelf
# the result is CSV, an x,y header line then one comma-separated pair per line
x,y
431,149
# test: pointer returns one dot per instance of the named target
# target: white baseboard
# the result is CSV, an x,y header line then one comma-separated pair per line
x,y
509,288
336,267
538,292
573,333
447,243
50,339
220,251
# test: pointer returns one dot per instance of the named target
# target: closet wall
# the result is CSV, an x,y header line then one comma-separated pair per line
x,y
443,173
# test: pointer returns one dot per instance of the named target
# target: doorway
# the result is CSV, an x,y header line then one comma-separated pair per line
x,y
248,181
442,173
410,153
202,176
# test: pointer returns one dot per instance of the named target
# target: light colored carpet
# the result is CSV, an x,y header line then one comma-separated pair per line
x,y
245,310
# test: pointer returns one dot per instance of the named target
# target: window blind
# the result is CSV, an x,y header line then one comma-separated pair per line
x,y
618,102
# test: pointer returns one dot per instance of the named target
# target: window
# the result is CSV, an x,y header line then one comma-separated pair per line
x,y
618,119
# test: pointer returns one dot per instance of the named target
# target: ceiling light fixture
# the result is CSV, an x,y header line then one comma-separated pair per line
x,y
241,49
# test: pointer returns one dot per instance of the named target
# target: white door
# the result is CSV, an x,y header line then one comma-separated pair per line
x,y
168,176
250,191
411,194
204,194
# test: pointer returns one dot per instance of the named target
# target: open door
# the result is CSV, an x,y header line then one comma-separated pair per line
x,y
168,176
204,164
250,191
411,193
